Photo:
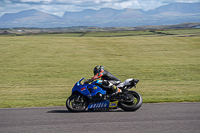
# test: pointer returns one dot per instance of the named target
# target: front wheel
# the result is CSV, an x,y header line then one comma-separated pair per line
x,y
76,103
134,105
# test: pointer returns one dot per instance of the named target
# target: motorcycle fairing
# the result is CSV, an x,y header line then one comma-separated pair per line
x,y
96,89
126,82
83,89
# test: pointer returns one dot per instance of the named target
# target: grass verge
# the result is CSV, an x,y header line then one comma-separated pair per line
x,y
41,70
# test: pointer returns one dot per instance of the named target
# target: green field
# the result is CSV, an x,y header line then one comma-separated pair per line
x,y
41,70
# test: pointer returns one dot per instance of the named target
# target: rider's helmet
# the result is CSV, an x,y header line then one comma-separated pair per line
x,y
98,69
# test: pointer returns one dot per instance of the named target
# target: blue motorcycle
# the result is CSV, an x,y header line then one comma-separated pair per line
x,y
92,97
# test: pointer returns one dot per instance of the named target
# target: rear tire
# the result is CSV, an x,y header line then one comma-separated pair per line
x,y
76,103
132,106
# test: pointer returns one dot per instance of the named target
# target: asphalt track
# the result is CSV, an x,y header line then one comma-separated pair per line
x,y
150,118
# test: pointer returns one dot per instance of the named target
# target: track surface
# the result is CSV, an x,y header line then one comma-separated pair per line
x,y
150,118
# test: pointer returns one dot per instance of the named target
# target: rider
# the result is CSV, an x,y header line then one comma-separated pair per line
x,y
108,80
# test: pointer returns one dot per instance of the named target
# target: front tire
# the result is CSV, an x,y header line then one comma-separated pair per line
x,y
76,103
132,106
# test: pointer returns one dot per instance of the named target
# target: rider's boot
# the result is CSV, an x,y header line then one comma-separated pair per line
x,y
115,90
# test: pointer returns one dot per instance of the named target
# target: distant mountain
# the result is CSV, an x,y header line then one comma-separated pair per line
x,y
104,13
177,7
28,14
170,14
28,18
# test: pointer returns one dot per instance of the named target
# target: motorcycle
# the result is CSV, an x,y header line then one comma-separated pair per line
x,y
92,97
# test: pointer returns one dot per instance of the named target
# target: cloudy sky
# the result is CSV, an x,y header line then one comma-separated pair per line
x,y
58,7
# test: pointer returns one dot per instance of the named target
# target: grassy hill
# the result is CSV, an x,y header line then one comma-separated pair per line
x,y
41,70
82,31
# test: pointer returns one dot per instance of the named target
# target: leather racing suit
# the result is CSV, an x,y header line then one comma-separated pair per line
x,y
108,81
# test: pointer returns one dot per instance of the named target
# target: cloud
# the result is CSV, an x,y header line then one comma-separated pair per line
x,y
58,7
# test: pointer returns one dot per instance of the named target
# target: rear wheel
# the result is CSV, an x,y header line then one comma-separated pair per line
x,y
76,103
133,105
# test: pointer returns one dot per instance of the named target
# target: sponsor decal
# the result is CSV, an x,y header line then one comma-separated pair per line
x,y
95,88
113,104
82,89
99,105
